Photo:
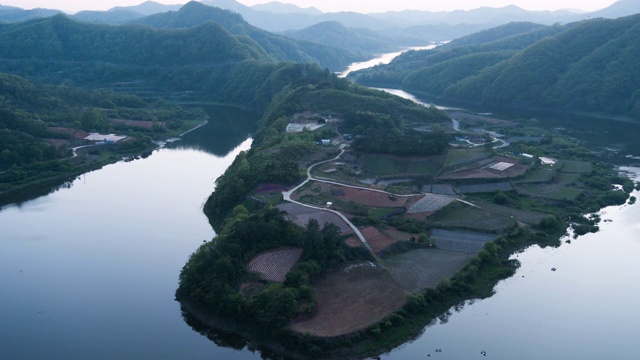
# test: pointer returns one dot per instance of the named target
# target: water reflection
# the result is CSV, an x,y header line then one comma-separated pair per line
x,y
227,127
20,196
227,340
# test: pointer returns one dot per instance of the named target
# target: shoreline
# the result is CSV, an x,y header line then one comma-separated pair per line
x,y
14,190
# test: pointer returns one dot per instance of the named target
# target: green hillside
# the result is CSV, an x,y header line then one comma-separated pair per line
x,y
282,48
591,66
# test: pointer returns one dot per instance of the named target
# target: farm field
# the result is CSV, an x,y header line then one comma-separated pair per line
x,y
388,165
540,175
565,178
419,269
487,169
461,157
550,191
443,189
300,215
575,166
457,215
377,240
430,203
525,216
460,241
273,265
321,193
351,299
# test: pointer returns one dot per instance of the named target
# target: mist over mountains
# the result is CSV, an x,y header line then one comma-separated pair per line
x,y
277,17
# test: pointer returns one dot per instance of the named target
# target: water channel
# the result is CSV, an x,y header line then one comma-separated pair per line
x,y
89,271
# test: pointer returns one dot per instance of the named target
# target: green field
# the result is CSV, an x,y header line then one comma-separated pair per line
x,y
458,157
575,166
539,175
383,165
462,216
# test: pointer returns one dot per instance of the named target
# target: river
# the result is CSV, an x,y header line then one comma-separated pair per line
x,y
89,271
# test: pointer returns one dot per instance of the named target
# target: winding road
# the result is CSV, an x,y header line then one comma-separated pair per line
x,y
287,196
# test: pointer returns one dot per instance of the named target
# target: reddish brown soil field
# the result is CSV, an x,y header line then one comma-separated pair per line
x,y
359,196
369,198
353,242
376,239
273,265
352,299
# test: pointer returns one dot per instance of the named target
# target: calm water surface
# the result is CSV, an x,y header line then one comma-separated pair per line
x,y
89,271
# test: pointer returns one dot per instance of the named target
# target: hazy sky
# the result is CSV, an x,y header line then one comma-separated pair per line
x,y
366,6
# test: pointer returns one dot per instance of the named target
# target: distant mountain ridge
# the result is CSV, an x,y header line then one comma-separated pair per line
x,y
588,66
281,48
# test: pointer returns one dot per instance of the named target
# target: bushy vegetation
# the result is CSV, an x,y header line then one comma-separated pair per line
x,y
212,276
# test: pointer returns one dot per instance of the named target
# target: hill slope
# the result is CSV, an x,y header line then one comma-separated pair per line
x,y
590,66
281,48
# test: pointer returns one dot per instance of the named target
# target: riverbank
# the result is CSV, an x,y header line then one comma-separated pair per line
x,y
84,159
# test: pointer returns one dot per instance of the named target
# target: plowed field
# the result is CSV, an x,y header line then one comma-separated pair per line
x,y
351,299
273,265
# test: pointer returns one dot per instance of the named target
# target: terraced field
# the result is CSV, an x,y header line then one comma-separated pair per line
x,y
273,265
430,203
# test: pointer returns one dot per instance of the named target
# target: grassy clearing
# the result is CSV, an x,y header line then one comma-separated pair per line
x,y
459,157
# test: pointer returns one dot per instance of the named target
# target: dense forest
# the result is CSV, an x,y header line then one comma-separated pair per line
x,y
590,66
139,58
281,48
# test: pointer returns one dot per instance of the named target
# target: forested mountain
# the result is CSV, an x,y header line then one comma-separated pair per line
x,y
618,9
12,13
590,66
336,34
281,48
140,58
